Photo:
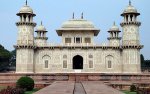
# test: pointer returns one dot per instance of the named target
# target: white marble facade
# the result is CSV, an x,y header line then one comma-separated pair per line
x,y
78,53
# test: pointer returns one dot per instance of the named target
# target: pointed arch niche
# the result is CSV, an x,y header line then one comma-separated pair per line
x,y
109,61
46,61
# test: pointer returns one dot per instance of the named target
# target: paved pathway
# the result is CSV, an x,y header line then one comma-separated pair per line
x,y
84,87
79,89
95,87
60,87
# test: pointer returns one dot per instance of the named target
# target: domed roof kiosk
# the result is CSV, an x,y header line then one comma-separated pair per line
x,y
77,25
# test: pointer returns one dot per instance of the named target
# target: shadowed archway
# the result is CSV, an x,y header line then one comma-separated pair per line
x,y
77,62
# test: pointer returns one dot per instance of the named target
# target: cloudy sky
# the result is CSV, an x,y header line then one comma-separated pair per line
x,y
54,12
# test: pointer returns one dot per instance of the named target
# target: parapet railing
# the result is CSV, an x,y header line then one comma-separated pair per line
x,y
69,44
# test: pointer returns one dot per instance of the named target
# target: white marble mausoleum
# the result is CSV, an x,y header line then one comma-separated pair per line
x,y
77,52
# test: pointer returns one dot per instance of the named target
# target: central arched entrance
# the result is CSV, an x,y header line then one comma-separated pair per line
x,y
77,62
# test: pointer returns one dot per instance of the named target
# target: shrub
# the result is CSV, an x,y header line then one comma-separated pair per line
x,y
132,88
10,90
26,83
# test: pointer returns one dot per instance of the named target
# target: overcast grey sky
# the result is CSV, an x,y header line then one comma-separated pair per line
x,y
54,12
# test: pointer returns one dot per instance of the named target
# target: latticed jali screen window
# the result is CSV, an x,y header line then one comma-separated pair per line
x,y
64,56
67,40
91,56
109,64
65,64
87,40
46,63
90,64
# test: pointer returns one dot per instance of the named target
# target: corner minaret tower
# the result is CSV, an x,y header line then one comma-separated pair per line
x,y
114,39
25,41
131,40
41,38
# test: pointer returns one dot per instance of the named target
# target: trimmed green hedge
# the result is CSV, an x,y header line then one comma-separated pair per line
x,y
26,83
132,88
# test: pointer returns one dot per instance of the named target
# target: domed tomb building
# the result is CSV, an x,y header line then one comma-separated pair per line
x,y
78,53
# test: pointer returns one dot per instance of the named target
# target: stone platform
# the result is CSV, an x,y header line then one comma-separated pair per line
x,y
72,87
116,80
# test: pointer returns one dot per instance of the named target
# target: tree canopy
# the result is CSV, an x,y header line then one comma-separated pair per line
x,y
13,58
142,60
145,64
4,58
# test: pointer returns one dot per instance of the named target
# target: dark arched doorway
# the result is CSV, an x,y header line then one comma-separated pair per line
x,y
77,62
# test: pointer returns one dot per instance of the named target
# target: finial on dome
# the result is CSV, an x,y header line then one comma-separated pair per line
x,y
130,2
26,2
73,15
114,23
41,23
82,15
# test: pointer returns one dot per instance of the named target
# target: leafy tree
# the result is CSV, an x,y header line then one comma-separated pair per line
x,y
142,60
13,58
147,64
4,58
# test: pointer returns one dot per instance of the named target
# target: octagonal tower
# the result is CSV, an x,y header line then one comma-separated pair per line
x,y
131,40
25,41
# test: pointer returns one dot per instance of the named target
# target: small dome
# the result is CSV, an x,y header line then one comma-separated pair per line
x,y
130,9
26,9
41,28
77,23
114,28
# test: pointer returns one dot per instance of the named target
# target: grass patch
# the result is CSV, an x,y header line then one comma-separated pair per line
x,y
31,92
2,87
128,92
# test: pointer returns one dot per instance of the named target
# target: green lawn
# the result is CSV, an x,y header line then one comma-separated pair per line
x,y
128,92
31,92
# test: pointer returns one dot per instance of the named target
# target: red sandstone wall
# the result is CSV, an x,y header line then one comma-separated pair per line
x,y
42,80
